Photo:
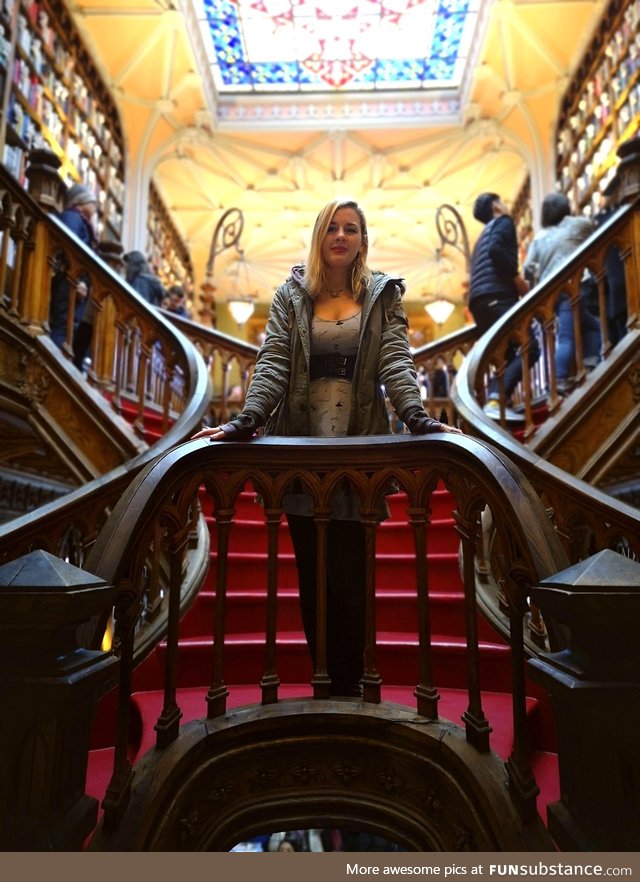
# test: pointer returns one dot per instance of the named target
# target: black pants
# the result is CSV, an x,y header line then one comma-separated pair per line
x,y
81,343
346,575
486,311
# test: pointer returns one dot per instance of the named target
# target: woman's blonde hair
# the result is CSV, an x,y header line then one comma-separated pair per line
x,y
314,276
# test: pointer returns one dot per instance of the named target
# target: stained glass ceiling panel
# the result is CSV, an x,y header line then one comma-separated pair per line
x,y
259,46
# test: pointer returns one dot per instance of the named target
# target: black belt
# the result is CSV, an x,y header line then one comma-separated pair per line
x,y
331,365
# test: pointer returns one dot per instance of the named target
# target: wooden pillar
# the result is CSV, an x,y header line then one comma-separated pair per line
x,y
594,686
49,686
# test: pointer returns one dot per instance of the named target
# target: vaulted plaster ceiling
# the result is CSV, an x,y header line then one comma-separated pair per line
x,y
279,156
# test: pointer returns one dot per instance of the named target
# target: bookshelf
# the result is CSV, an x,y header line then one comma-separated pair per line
x,y
54,97
601,108
167,253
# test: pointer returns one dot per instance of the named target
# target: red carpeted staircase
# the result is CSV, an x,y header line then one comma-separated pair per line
x,y
397,644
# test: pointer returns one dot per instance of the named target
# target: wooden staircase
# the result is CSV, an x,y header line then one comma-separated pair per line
x,y
397,641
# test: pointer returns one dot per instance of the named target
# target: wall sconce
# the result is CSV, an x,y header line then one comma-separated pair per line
x,y
241,308
226,234
439,309
241,301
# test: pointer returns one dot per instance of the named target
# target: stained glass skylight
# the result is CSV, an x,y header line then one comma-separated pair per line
x,y
259,46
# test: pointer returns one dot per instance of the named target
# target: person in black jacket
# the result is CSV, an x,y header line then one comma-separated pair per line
x,y
142,280
614,279
78,216
495,286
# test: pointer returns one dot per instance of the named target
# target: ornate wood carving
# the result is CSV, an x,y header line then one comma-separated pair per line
x,y
423,788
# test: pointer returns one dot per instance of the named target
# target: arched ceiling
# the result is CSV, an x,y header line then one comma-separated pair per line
x,y
280,157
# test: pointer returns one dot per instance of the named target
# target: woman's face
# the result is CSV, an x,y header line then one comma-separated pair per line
x,y
343,240
285,846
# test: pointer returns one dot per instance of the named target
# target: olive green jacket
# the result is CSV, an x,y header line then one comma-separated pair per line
x,y
279,389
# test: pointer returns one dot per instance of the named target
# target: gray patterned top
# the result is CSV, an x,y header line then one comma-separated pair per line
x,y
330,397
330,406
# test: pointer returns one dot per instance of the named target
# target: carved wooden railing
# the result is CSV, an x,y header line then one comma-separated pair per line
x,y
159,503
444,357
229,363
586,518
557,449
538,310
138,362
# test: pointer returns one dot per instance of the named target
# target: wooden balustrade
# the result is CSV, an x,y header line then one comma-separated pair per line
x,y
440,360
536,314
139,365
229,363
586,518
162,498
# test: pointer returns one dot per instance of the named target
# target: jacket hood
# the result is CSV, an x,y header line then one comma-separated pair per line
x,y
378,277
297,273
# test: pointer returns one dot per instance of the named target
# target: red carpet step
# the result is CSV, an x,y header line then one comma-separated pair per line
x,y
397,643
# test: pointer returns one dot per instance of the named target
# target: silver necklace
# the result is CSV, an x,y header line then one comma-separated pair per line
x,y
335,294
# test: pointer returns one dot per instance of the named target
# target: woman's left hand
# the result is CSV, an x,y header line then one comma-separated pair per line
x,y
445,427
420,423
216,433
241,428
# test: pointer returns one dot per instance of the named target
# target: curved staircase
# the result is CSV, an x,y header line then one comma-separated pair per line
x,y
397,642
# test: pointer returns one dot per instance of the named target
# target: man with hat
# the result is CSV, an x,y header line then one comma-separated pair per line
x,y
78,216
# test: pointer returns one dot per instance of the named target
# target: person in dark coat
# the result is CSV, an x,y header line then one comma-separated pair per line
x,y
495,287
142,280
614,279
177,301
78,215
561,234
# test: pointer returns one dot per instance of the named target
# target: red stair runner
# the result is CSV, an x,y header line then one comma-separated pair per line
x,y
397,653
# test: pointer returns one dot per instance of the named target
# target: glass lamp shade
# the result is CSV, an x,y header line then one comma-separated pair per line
x,y
241,309
439,309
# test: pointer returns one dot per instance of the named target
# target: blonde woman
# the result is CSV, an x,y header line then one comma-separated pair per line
x,y
336,341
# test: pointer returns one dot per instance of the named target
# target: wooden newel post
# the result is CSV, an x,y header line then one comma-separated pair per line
x,y
49,686
594,686
45,184
113,254
626,181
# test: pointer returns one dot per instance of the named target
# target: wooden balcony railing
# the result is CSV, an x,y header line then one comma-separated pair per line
x,y
441,360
